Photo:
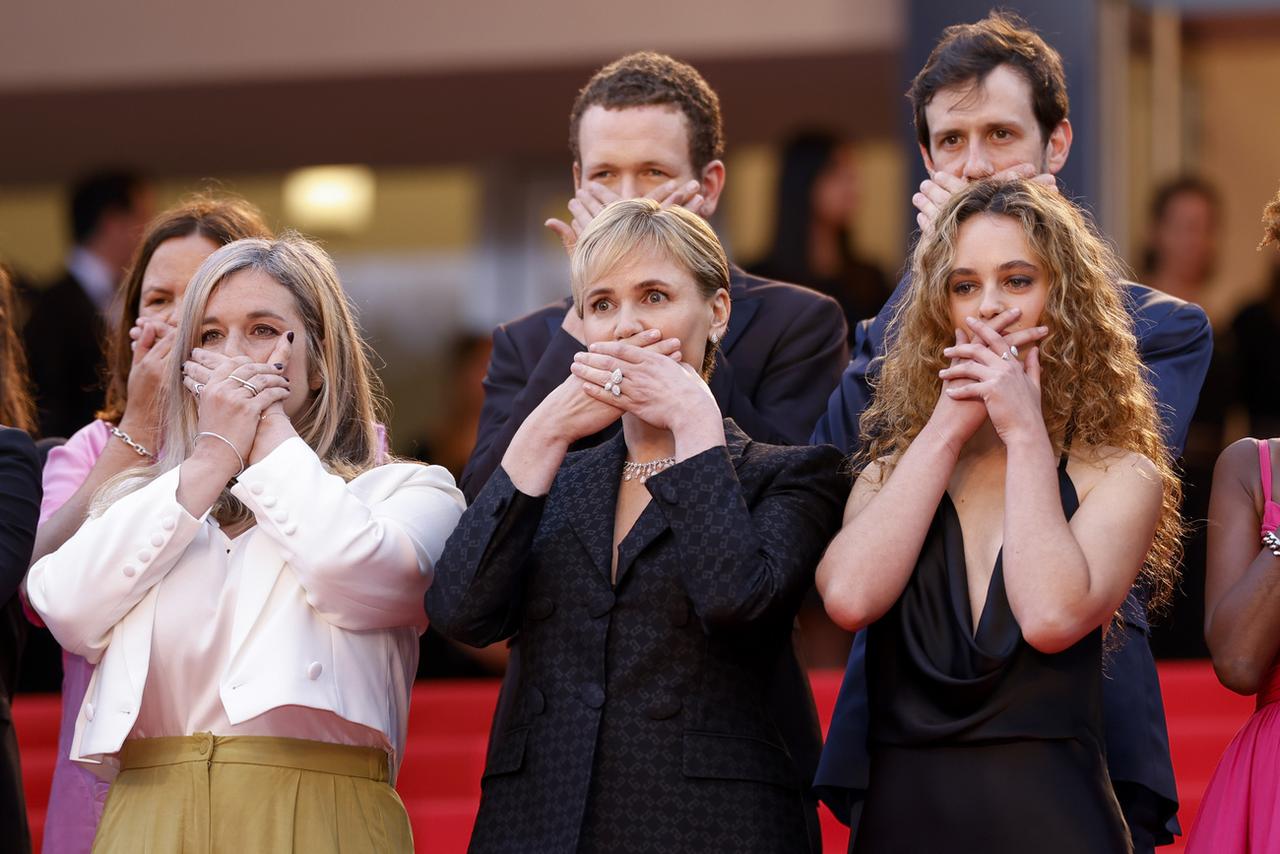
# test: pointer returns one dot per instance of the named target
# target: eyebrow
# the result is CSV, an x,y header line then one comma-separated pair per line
x,y
253,315
1016,264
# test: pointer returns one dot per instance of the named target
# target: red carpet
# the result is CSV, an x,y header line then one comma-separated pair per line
x,y
449,726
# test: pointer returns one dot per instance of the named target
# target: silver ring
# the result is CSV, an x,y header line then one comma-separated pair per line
x,y
616,376
1013,350
253,389
199,387
617,390
608,386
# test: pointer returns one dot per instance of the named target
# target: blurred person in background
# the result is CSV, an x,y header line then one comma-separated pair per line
x,y
125,433
991,101
1240,811
1180,259
1256,358
812,243
19,511
649,125
69,318
653,578
253,597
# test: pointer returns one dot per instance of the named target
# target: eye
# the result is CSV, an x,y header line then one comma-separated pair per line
x,y
600,305
1019,282
655,297
156,299
655,173
263,330
209,335
601,175
963,288
950,141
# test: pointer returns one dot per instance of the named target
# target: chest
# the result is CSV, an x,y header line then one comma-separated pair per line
x,y
977,497
633,498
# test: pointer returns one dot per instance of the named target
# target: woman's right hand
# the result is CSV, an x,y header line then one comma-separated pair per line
x,y
959,419
152,342
225,404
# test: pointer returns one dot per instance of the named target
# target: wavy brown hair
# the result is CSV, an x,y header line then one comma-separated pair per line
x,y
222,219
1094,387
17,408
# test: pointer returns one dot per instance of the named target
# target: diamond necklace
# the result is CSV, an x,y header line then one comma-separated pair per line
x,y
644,471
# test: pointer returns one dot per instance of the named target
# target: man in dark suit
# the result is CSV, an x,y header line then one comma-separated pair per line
x,y
67,324
647,125
992,100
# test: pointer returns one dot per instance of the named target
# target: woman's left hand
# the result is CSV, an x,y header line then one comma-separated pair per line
x,y
660,390
1009,389
274,426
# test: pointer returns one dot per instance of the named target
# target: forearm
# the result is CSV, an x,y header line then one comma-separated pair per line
x,y
1046,574
204,474
868,564
535,454
67,519
1243,629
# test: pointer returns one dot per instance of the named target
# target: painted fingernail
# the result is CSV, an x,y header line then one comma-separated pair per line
x,y
279,366
289,337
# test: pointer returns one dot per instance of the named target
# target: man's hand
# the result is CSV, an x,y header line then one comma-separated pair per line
x,y
938,189
592,197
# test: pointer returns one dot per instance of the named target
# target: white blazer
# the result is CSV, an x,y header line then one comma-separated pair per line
x,y
329,617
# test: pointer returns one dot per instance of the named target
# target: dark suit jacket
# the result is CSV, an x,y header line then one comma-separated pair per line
x,y
641,719
777,364
1176,343
64,338
19,511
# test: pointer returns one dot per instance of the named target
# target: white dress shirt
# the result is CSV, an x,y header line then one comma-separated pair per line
x,y
96,277
304,626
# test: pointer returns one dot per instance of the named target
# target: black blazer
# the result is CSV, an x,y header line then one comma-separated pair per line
x,y
20,494
641,718
64,339
781,358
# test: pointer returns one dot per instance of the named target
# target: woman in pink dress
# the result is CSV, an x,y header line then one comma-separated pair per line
x,y
1241,807
173,247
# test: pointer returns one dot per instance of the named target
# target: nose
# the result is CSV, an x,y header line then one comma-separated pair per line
x,y
628,188
992,303
977,164
627,323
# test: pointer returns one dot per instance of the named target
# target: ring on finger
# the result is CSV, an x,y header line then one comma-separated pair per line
x,y
1011,353
253,389
199,388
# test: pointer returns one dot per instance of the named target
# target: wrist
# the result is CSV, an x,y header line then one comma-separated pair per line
x,y
1033,440
219,453
943,433
143,433
548,428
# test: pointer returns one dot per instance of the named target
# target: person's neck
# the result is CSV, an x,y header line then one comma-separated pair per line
x,y
825,258
646,443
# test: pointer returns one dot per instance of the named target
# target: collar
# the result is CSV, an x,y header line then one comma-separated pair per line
x,y
94,275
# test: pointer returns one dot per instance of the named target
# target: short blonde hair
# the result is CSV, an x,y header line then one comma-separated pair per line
x,y
636,225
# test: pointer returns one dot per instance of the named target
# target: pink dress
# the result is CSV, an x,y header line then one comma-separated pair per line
x,y
77,796
1241,808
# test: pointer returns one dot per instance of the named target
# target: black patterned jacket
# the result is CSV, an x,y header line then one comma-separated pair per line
x,y
641,721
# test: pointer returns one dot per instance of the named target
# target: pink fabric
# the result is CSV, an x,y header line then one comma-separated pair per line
x,y
1240,812
1270,509
77,796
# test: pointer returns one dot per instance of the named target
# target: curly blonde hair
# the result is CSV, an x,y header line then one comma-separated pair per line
x,y
1094,387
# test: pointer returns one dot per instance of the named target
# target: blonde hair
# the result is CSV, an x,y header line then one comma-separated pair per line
x,y
1094,387
339,421
634,226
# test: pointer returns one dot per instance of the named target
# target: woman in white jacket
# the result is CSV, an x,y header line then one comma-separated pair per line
x,y
253,599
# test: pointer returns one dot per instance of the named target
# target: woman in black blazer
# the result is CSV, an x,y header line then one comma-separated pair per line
x,y
19,510
654,578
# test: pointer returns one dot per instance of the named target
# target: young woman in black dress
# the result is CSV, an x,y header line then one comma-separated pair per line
x,y
1007,502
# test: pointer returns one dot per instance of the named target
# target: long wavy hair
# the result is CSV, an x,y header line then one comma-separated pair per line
x,y
340,418
17,409
1094,387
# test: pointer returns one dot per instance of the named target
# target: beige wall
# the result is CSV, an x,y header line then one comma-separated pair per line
x,y
83,43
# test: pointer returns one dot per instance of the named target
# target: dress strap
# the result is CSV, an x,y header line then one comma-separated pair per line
x,y
1264,468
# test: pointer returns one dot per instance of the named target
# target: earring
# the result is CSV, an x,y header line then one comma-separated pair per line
x,y
715,338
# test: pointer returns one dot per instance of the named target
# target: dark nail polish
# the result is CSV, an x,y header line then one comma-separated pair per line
x,y
289,337
279,366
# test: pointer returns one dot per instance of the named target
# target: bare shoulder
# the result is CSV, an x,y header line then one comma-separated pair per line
x,y
1101,467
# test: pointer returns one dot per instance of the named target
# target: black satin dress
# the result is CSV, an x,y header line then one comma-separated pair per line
x,y
980,743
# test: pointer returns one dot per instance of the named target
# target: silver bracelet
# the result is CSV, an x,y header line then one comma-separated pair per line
x,y
229,445
1272,542
128,440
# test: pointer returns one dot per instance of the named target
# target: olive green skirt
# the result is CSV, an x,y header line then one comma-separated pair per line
x,y
243,794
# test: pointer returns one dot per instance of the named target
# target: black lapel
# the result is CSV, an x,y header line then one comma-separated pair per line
x,y
742,308
591,490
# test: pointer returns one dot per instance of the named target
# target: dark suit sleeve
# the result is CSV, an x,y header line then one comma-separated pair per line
x,y
797,379
1176,344
478,591
839,423
19,507
511,392
742,564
